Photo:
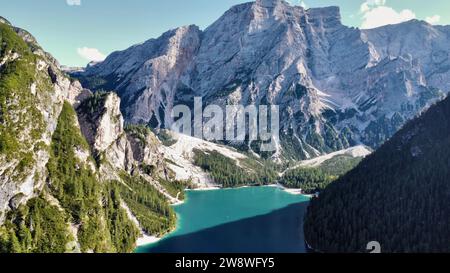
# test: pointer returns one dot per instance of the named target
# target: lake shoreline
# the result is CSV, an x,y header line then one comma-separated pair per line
x,y
145,239
277,185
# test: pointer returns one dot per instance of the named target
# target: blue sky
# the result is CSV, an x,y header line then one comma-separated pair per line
x,y
76,31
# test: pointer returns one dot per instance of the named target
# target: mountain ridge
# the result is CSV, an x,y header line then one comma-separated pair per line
x,y
337,86
82,172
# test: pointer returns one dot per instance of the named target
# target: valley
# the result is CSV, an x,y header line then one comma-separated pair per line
x,y
88,163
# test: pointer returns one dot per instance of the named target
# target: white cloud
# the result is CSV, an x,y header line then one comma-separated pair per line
x,y
433,20
369,4
73,2
375,13
91,54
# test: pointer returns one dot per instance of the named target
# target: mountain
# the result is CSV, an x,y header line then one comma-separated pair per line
x,y
337,86
73,177
32,92
398,196
81,171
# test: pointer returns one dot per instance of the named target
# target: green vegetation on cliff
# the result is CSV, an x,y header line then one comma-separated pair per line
x,y
72,209
80,192
148,205
38,227
93,208
176,188
75,185
18,111
124,232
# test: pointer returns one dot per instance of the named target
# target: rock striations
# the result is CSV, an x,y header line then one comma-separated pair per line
x,y
337,86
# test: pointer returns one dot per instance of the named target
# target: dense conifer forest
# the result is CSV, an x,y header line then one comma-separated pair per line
x,y
398,196
315,179
230,173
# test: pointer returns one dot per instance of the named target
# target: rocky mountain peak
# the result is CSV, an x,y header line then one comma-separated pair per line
x,y
266,3
281,7
336,86
269,3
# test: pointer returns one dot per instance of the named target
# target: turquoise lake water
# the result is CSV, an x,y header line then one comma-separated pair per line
x,y
254,219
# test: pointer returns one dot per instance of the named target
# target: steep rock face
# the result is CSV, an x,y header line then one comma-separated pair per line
x,y
103,125
32,93
424,42
115,147
146,151
71,181
154,68
336,86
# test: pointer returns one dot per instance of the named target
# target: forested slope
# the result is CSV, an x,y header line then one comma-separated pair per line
x,y
398,196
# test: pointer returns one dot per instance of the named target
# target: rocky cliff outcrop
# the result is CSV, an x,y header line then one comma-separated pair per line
x,y
103,125
71,181
33,91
